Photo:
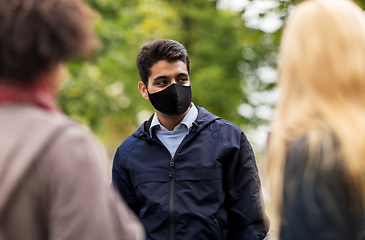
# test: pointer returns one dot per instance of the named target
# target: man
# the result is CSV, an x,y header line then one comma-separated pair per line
x,y
187,173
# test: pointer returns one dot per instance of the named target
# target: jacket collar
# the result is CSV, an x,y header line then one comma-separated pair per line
x,y
203,119
188,120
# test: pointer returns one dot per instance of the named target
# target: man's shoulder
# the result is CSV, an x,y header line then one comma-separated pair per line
x,y
227,124
222,130
129,142
136,136
125,148
226,133
219,123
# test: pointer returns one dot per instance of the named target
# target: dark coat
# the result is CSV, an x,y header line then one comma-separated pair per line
x,y
319,201
209,190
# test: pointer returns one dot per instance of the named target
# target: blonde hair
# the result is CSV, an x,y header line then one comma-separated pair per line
x,y
322,87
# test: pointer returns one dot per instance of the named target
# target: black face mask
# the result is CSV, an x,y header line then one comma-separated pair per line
x,y
173,100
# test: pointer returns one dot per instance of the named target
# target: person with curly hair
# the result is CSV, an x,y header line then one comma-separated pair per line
x,y
51,179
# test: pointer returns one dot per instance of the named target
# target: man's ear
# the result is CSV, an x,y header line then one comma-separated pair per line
x,y
143,90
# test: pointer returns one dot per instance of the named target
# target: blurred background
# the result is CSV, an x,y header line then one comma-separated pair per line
x,y
233,50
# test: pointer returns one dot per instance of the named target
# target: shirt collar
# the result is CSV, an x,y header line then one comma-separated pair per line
x,y
187,120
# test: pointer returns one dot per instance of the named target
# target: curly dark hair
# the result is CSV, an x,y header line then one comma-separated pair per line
x,y
37,33
160,49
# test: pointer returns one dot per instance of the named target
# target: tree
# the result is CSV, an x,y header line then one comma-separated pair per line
x,y
103,93
264,22
233,57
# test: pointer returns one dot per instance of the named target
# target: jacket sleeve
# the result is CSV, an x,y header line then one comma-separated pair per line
x,y
80,204
247,219
122,180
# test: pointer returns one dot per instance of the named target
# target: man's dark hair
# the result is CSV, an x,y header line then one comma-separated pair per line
x,y
37,33
157,50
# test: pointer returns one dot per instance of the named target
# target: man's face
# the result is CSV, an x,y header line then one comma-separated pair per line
x,y
163,74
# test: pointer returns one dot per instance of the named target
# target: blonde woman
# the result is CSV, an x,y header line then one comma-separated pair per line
x,y
316,154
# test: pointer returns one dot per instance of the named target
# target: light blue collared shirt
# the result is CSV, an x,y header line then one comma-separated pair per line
x,y
172,139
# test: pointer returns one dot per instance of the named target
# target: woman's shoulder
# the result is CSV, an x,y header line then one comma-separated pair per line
x,y
319,202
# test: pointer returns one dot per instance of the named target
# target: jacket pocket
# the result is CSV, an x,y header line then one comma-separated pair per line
x,y
148,177
199,174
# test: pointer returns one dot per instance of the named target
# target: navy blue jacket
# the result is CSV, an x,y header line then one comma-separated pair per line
x,y
209,190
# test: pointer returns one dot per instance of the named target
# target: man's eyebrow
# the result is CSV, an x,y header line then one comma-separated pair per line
x,y
165,77
158,78
183,74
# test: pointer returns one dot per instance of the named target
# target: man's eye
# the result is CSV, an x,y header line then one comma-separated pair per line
x,y
161,83
184,79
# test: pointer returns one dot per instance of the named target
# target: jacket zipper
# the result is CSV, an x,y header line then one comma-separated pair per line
x,y
171,200
172,187
219,229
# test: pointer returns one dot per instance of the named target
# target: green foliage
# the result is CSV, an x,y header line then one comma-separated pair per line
x,y
211,39
103,93
228,62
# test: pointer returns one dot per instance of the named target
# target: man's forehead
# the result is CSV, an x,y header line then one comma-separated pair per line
x,y
163,67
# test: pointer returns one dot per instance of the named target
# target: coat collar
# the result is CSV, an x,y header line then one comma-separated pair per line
x,y
203,119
